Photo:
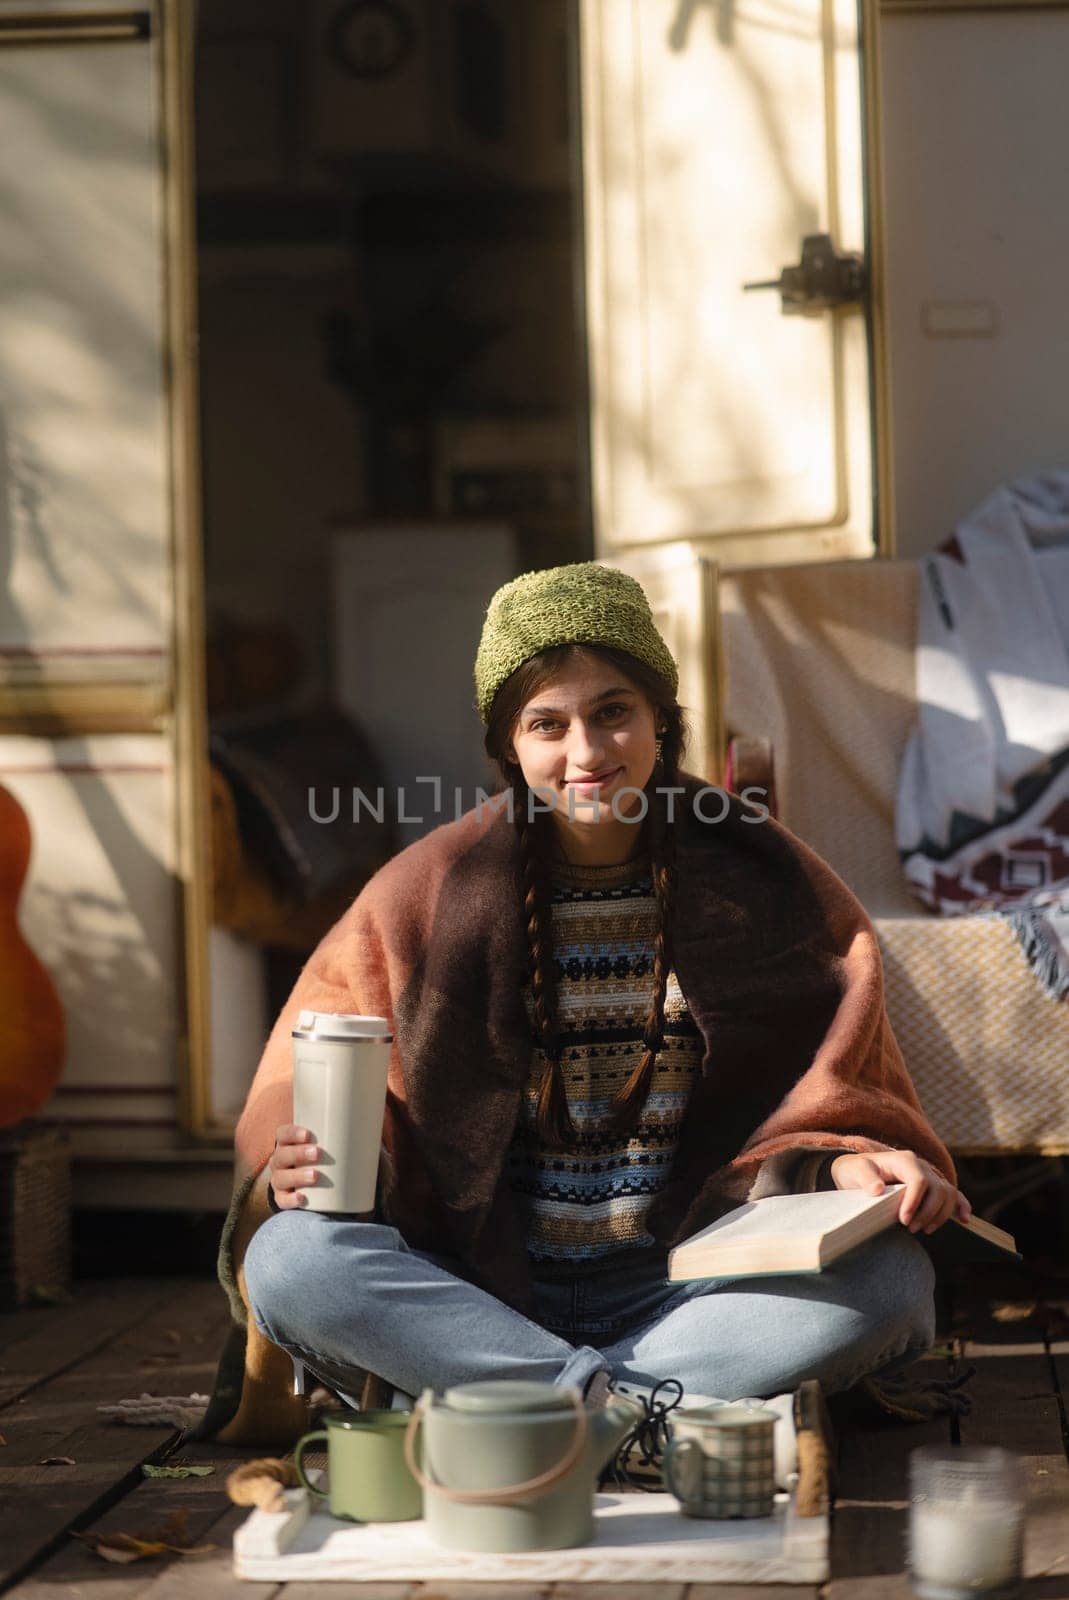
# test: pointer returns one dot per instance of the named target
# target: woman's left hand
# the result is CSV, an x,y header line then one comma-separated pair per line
x,y
928,1199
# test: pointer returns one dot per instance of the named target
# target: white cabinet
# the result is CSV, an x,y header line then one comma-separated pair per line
x,y
715,138
100,907
85,581
101,696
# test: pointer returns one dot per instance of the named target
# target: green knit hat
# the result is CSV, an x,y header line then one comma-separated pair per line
x,y
584,603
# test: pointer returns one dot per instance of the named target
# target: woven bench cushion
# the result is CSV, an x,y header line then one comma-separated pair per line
x,y
987,1049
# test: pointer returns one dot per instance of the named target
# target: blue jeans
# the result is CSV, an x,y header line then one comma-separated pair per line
x,y
346,1297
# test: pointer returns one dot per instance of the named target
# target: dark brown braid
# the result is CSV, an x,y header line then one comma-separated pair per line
x,y
628,1104
554,1120
555,1123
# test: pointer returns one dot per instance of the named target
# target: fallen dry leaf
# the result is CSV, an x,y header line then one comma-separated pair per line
x,y
1013,1310
125,1547
57,1461
170,1538
120,1547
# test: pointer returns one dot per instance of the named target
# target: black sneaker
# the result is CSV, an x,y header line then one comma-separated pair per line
x,y
804,1441
637,1462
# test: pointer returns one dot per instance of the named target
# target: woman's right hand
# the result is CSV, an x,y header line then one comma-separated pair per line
x,y
289,1170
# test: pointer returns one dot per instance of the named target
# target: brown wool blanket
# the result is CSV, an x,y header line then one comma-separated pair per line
x,y
780,968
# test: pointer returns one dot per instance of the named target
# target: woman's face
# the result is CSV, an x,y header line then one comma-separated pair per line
x,y
588,723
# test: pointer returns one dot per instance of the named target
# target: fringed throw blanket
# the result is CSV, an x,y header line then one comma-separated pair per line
x,y
982,822
781,971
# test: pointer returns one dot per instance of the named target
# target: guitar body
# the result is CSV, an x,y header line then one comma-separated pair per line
x,y
33,1031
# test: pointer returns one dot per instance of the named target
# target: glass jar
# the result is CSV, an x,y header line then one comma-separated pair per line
x,y
966,1522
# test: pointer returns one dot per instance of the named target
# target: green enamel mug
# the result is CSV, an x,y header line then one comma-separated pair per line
x,y
368,1477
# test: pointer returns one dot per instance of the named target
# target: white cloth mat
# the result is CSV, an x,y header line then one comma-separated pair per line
x,y
638,1537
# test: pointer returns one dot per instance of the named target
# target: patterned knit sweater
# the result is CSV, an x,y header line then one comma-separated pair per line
x,y
588,1202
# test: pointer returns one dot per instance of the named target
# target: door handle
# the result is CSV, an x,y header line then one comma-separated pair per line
x,y
823,279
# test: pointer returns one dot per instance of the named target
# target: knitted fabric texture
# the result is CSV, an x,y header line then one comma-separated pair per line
x,y
588,1201
583,603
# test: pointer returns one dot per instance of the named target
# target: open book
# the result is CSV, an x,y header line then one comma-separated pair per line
x,y
804,1232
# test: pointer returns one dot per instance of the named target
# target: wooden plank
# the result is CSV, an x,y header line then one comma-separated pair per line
x,y
868,1543
41,1342
199,1502
172,1351
1058,1350
1014,1400
1011,1405
633,1591
868,1553
441,1590
14,1325
1058,1355
407,1591
209,1577
745,1591
1016,1405
681,1591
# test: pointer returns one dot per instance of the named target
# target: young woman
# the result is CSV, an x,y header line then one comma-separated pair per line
x,y
618,1012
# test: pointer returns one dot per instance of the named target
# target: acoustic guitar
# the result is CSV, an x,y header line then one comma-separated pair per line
x,y
33,1030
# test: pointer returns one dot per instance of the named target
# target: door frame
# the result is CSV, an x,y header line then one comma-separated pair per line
x,y
883,507
190,727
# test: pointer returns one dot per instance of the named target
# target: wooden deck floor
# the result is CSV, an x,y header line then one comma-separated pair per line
x,y
119,1339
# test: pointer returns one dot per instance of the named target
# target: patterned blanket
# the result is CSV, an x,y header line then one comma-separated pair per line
x,y
982,821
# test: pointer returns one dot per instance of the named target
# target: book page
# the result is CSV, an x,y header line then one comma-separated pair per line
x,y
790,1216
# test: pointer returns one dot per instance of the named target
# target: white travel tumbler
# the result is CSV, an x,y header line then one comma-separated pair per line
x,y
339,1094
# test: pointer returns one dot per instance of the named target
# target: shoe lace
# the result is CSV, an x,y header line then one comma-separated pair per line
x,y
643,1445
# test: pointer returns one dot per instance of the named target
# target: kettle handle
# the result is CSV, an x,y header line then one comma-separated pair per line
x,y
513,1491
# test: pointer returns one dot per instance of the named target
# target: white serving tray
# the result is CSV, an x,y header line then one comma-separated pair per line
x,y
638,1537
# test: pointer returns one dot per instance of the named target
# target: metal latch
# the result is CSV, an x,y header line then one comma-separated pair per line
x,y
822,280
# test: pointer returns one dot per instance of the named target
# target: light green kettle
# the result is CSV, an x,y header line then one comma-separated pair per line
x,y
512,1465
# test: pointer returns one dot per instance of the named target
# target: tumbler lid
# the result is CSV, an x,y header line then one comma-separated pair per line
x,y
510,1396
341,1025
